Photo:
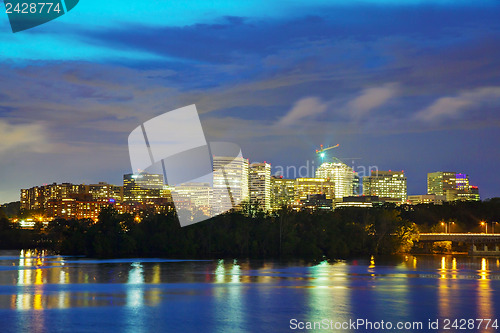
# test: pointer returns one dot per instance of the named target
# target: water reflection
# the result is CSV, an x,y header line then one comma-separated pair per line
x,y
233,295
484,295
444,289
220,272
328,292
29,298
135,293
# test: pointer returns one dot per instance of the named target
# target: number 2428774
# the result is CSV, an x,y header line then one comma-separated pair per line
x,y
32,8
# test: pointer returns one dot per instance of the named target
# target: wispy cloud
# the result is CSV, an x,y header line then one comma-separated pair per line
x,y
304,108
355,108
456,106
370,99
22,138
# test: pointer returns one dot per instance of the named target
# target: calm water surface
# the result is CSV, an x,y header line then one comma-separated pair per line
x,y
41,293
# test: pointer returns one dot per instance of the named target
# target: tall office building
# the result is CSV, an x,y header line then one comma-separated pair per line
x,y
386,185
142,187
341,174
260,185
356,185
105,191
305,187
230,183
282,192
439,182
195,196
470,193
452,185
245,178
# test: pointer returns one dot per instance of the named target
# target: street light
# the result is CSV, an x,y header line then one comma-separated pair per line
x,y
485,226
449,226
493,227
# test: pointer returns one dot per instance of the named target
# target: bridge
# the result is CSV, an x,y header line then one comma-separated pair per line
x,y
479,244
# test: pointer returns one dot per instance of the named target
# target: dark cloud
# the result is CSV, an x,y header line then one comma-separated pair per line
x,y
387,82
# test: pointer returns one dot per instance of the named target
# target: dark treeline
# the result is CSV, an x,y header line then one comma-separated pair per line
x,y
466,215
342,233
11,209
338,234
12,237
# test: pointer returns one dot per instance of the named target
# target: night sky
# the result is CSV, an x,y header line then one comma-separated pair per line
x,y
401,85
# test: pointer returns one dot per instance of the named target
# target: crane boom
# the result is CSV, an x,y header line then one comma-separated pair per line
x,y
321,150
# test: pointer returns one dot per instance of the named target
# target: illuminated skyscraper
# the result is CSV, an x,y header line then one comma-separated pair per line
x,y
282,192
230,173
453,185
142,187
305,187
105,191
197,195
356,184
439,182
386,185
341,174
260,185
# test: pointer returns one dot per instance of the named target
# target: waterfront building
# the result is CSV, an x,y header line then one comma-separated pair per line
x,y
230,183
453,185
36,198
434,199
364,201
260,185
307,186
142,187
282,192
70,208
315,202
193,197
105,191
389,185
341,175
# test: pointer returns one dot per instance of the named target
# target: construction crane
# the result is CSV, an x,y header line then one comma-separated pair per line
x,y
321,151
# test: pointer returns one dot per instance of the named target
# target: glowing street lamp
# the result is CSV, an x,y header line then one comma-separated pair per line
x,y
485,226
447,226
493,227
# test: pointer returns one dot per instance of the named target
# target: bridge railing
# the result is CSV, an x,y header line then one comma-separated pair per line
x,y
458,234
460,237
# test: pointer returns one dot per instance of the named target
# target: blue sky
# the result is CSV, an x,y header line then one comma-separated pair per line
x,y
411,85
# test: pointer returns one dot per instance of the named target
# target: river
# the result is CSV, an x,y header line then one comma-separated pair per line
x,y
43,293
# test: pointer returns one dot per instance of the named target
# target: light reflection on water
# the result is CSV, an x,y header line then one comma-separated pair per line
x,y
241,295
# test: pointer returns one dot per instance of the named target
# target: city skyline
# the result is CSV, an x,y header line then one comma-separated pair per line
x,y
312,171
250,166
239,186
322,171
241,181
411,86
